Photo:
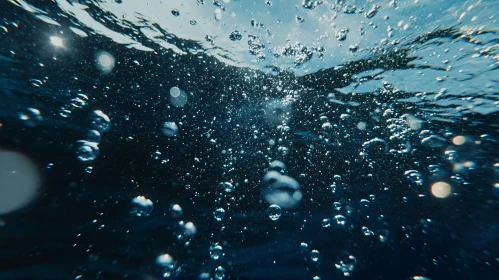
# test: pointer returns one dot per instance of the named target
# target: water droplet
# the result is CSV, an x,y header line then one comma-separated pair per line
x,y
170,129
141,206
274,212
216,251
219,214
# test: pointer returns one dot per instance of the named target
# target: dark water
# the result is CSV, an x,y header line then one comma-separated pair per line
x,y
371,138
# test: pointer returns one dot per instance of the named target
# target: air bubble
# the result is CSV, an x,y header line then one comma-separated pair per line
x,y
339,220
326,223
170,129
100,121
235,36
226,186
347,265
315,255
216,251
87,151
219,214
274,212
281,190
141,206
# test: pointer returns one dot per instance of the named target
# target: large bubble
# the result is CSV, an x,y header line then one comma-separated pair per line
x,y
19,181
281,190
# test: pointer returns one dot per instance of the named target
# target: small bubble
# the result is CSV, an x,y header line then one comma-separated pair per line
x,y
100,121
226,186
93,136
347,265
176,211
341,34
216,251
87,151
174,91
340,220
372,12
337,206
141,206
175,12
366,231
365,203
326,223
274,212
219,273
193,22
315,255
189,228
236,35
170,129
310,4
88,169
219,214
168,266
31,117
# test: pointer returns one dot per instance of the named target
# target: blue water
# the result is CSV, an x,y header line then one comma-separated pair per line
x,y
249,139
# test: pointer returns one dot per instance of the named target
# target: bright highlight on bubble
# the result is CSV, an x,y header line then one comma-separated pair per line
x,y
440,189
56,41
459,140
174,91
105,61
19,181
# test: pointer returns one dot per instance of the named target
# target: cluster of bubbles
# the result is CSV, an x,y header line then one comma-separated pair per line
x,y
141,206
88,148
280,189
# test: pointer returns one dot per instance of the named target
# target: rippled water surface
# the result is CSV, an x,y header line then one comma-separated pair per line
x,y
234,139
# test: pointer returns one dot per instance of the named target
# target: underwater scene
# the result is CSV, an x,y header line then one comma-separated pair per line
x,y
249,139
